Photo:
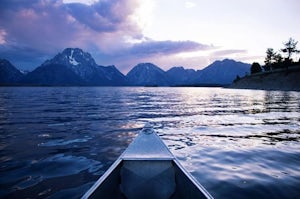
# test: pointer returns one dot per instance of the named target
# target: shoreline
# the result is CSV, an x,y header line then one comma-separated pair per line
x,y
282,80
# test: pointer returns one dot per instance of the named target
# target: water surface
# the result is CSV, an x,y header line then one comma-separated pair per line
x,y
56,142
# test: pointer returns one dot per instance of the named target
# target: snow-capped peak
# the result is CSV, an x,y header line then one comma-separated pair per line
x,y
72,59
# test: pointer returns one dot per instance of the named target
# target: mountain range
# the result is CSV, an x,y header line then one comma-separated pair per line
x,y
74,67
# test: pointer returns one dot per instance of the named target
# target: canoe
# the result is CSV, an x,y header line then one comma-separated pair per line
x,y
147,170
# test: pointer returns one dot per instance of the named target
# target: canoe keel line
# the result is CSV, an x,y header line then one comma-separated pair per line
x,y
147,170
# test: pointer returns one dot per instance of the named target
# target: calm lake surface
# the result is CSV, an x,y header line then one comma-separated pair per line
x,y
56,142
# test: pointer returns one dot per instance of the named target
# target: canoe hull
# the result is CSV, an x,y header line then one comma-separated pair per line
x,y
147,169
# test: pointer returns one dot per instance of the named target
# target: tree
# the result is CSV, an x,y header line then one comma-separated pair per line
x,y
290,48
278,61
236,79
278,58
269,60
255,68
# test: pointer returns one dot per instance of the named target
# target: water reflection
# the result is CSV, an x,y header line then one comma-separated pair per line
x,y
281,101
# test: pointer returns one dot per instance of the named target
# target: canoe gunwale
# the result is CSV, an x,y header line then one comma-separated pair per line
x,y
147,159
192,179
102,178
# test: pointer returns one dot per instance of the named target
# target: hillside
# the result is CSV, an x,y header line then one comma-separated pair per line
x,y
280,80
9,74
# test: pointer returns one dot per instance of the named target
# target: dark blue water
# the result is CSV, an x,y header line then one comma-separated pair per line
x,y
56,142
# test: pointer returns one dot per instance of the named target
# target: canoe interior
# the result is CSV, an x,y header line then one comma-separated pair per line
x,y
110,186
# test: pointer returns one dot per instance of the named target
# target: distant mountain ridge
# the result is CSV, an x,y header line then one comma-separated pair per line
x,y
74,67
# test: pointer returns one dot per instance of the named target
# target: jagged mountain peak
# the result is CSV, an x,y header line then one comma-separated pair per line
x,y
70,50
147,66
76,60
76,53
72,57
79,66
147,74
177,68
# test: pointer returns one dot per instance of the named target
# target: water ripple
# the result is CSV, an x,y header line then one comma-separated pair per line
x,y
55,142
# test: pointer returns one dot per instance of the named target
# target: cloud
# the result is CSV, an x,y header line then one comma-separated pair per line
x,y
87,2
38,24
48,26
227,52
2,36
106,16
149,48
36,30
189,4
149,51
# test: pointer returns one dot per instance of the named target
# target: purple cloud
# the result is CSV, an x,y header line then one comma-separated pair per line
x,y
47,27
148,51
105,16
35,30
166,47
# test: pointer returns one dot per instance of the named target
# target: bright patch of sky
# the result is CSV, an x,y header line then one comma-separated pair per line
x,y
190,4
144,14
87,2
252,25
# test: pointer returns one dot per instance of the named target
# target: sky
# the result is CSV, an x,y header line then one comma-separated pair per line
x,y
189,33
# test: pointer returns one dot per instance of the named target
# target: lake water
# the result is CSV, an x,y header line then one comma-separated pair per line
x,y
56,142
